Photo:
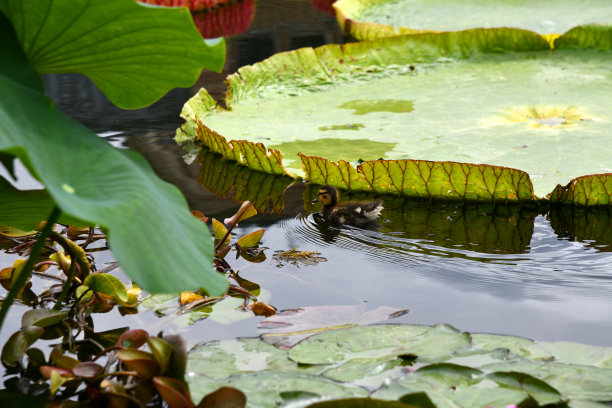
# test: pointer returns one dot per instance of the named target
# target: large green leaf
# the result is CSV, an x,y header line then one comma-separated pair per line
x,y
96,183
429,104
135,54
368,19
25,210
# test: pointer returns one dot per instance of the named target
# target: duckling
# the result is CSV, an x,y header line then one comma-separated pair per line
x,y
352,213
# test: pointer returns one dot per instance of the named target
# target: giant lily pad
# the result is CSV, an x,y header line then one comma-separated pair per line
x,y
369,19
428,105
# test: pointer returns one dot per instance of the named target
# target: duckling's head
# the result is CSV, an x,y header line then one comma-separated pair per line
x,y
328,196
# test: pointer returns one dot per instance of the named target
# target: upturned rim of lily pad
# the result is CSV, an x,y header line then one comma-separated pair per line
x,y
353,27
332,63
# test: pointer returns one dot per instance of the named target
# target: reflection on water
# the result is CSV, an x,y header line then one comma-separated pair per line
x,y
480,267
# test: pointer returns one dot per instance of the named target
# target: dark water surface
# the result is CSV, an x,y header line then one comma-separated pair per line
x,y
481,269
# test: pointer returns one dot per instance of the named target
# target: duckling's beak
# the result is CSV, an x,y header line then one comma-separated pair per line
x,y
316,200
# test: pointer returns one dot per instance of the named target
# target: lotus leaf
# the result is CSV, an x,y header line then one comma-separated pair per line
x,y
369,19
87,178
116,43
426,106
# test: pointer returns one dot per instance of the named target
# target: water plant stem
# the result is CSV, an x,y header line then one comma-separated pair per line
x,y
23,277
67,283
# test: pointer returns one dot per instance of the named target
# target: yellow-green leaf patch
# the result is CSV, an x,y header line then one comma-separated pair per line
x,y
368,19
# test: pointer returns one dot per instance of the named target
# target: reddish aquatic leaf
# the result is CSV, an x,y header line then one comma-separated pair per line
x,y
73,232
178,358
199,215
224,397
140,361
262,309
325,5
46,371
174,392
87,370
133,338
111,386
162,350
222,252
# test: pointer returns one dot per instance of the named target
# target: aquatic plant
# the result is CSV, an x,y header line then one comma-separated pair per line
x,y
450,116
370,19
87,179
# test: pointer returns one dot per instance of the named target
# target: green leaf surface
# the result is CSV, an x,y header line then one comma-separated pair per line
x,y
96,183
380,341
493,116
376,18
222,359
130,51
251,239
263,389
42,317
107,284
571,380
588,36
577,353
543,393
287,328
586,190
25,209
447,395
360,403
15,347
476,370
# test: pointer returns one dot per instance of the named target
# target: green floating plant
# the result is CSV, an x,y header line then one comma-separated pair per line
x,y
428,366
427,106
370,19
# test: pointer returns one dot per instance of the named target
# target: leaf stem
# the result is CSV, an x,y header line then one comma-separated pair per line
x,y
67,283
29,266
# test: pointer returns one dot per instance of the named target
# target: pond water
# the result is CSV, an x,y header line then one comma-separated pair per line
x,y
481,269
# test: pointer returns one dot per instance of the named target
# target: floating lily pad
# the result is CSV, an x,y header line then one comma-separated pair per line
x,y
221,359
454,369
287,328
369,19
572,380
473,98
264,389
225,310
378,341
